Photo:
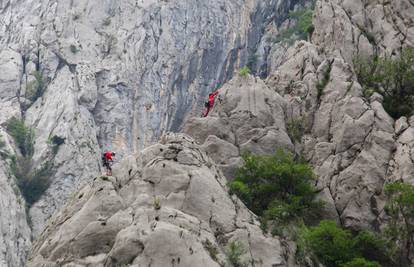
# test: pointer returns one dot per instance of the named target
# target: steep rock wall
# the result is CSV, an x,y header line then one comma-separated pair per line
x,y
116,74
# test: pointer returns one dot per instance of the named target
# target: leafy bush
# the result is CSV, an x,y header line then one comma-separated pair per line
x,y
233,252
302,28
157,203
330,244
36,88
393,78
22,135
400,208
334,246
320,86
244,71
373,247
32,184
277,187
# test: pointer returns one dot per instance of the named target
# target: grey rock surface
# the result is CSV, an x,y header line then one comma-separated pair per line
x,y
353,144
116,74
167,205
247,117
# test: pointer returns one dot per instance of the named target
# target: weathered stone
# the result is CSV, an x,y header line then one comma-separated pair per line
x,y
106,224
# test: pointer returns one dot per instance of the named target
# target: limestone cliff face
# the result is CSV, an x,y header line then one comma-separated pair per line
x,y
116,74
353,144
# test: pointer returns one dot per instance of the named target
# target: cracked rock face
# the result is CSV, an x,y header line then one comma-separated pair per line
x,y
167,205
352,143
247,116
117,74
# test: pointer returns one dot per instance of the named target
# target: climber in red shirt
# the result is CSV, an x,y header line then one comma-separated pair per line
x,y
209,105
107,161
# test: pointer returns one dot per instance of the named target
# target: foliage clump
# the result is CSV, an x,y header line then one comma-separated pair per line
x,y
157,203
321,85
392,77
244,71
36,88
337,247
31,182
235,250
302,28
22,135
278,188
400,209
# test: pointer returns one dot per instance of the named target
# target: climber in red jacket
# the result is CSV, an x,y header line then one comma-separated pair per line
x,y
107,161
209,105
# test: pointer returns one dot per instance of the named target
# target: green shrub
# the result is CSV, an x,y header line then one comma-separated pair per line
x,y
304,20
32,184
373,247
302,28
157,203
321,85
244,71
277,187
393,78
235,250
400,208
334,246
295,129
361,262
22,135
36,88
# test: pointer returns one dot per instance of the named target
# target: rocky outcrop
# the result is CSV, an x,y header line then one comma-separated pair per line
x,y
350,140
117,74
247,117
167,205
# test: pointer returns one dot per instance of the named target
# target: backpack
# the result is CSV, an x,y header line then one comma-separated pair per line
x,y
207,104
